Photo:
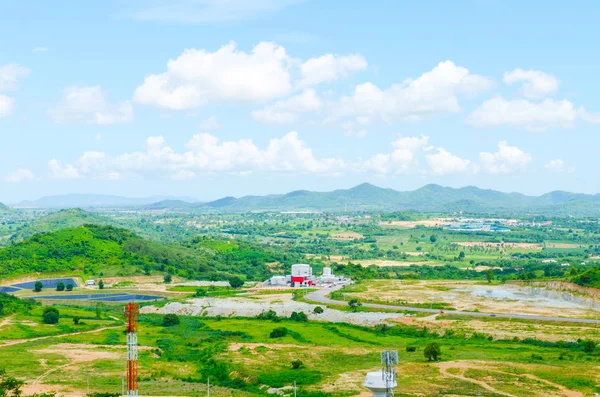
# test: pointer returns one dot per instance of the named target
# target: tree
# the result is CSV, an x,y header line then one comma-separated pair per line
x,y
236,282
38,286
354,304
9,386
433,239
50,315
589,346
170,319
297,364
69,287
60,286
278,332
489,275
168,278
76,320
461,255
318,310
101,284
432,352
299,317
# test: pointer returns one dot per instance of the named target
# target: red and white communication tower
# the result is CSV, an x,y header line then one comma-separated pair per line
x,y
131,315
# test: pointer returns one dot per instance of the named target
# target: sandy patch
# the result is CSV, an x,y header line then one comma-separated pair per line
x,y
436,222
347,236
562,245
390,263
81,353
484,244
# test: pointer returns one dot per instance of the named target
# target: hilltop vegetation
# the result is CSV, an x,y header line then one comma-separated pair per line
x,y
107,250
63,219
3,207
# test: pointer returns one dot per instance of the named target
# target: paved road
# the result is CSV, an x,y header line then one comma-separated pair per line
x,y
320,296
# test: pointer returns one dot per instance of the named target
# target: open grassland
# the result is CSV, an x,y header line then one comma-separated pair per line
x,y
242,359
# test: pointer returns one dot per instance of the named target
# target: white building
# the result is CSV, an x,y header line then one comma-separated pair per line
x,y
301,269
278,280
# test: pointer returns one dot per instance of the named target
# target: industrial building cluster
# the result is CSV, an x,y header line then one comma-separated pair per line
x,y
302,276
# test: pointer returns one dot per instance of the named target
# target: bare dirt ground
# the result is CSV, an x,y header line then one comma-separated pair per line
x,y
531,246
282,304
436,222
470,295
460,367
390,263
21,341
563,245
347,236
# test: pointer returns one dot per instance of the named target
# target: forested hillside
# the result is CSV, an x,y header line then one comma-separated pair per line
x,y
106,250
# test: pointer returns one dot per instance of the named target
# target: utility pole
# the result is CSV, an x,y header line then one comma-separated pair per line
x,y
294,388
87,380
131,313
208,388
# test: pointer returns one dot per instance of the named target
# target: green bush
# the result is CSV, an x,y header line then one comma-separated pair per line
x,y
411,349
297,364
318,310
51,315
38,286
236,282
299,317
69,287
60,286
279,332
432,352
170,319
76,320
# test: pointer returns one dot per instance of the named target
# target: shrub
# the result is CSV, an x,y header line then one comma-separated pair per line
x,y
297,364
536,357
168,278
76,320
432,352
279,332
200,292
411,349
38,286
269,315
354,304
50,315
588,346
170,320
69,287
299,317
60,286
318,310
101,284
236,282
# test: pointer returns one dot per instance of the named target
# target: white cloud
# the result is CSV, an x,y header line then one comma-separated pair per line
x,y
59,171
10,74
208,11
433,92
523,113
289,110
559,166
7,105
197,77
536,84
89,105
330,67
402,159
20,175
507,160
40,49
209,124
442,162
352,129
205,153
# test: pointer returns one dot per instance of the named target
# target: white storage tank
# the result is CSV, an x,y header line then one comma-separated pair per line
x,y
326,271
278,280
374,381
301,269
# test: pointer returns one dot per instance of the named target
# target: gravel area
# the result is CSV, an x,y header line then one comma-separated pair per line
x,y
241,307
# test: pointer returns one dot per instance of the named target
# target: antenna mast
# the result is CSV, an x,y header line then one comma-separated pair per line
x,y
131,315
389,359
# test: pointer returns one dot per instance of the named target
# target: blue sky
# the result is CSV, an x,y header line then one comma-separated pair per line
x,y
207,98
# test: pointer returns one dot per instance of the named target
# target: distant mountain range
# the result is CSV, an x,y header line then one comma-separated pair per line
x,y
94,201
364,197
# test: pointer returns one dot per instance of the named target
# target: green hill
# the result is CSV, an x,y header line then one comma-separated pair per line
x,y
107,250
429,198
58,220
3,208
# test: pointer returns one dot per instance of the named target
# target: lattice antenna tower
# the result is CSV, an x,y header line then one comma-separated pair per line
x,y
131,317
389,359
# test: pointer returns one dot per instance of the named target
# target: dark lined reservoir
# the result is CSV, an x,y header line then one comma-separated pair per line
x,y
101,297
